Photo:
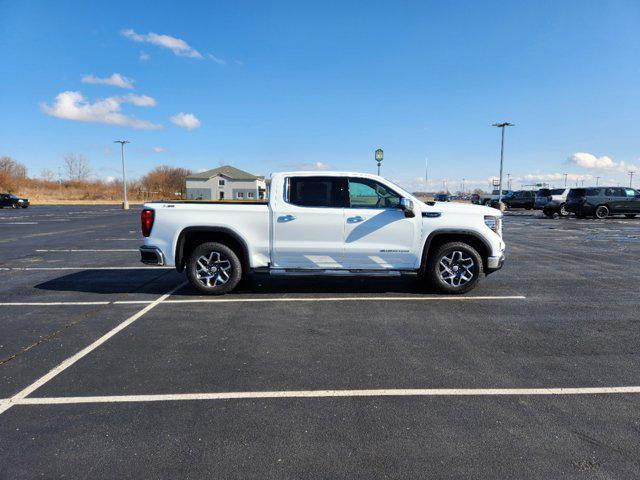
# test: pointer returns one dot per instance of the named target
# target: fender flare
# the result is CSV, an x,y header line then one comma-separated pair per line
x,y
179,249
452,231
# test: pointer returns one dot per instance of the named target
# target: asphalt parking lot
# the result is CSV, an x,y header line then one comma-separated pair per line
x,y
110,369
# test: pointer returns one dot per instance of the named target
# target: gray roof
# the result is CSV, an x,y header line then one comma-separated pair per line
x,y
227,170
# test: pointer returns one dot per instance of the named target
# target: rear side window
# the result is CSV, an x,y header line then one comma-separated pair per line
x,y
543,192
317,191
557,191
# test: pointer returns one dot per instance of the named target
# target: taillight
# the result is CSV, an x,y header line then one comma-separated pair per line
x,y
146,221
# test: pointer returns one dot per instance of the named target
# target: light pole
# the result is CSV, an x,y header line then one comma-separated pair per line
x,y
597,181
501,125
565,178
125,204
508,181
631,178
379,156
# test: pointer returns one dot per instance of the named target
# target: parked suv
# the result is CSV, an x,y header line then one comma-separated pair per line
x,y
552,201
10,200
600,202
520,199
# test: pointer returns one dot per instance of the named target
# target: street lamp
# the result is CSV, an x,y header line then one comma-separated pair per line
x,y
631,178
565,179
125,204
501,125
379,156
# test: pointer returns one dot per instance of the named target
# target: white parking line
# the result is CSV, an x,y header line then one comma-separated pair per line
x,y
388,392
92,250
9,402
23,269
19,223
278,299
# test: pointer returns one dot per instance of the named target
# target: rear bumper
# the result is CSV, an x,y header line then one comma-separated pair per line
x,y
151,255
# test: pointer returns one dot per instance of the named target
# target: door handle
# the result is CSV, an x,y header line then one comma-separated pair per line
x,y
355,219
286,218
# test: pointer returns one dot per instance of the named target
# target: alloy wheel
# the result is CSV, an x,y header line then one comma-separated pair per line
x,y
456,268
213,270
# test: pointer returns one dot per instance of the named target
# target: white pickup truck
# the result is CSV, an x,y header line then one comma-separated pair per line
x,y
329,223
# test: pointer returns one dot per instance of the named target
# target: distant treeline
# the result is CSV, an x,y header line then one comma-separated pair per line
x,y
75,182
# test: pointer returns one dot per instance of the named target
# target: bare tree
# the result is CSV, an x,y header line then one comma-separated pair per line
x,y
47,175
165,181
12,168
76,167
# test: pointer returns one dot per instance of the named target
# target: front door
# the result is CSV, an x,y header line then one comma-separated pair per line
x,y
377,233
308,230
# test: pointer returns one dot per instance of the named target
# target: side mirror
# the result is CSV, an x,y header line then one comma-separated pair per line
x,y
406,204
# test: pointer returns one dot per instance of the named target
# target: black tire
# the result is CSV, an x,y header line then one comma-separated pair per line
x,y
562,211
15,205
433,268
25,206
602,212
218,255
548,213
630,215
487,203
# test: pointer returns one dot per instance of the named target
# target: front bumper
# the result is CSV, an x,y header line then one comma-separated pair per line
x,y
495,263
151,255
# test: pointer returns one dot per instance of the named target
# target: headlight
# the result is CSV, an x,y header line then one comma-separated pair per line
x,y
494,223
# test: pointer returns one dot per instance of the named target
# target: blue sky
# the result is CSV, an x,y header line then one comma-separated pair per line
x,y
268,86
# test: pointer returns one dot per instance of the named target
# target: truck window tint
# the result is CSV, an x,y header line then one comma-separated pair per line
x,y
365,193
316,191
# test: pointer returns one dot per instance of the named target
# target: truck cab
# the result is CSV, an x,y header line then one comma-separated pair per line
x,y
329,223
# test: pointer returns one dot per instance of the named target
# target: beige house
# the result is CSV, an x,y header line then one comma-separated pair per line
x,y
226,183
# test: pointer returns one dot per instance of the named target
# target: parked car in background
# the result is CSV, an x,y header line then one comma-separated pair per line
x,y
441,197
520,199
552,201
600,202
486,198
10,200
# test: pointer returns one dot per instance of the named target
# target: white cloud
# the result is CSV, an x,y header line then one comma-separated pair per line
x,y
159,149
589,161
218,60
144,56
74,106
110,179
186,120
176,45
115,80
138,100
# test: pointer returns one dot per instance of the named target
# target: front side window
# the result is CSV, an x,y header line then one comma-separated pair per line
x,y
316,191
630,192
366,193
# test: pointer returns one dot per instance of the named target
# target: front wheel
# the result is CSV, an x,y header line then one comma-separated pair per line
x,y
214,269
454,268
601,212
563,212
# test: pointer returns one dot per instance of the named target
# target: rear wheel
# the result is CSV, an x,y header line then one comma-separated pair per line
x,y
563,212
214,269
454,268
601,212
630,215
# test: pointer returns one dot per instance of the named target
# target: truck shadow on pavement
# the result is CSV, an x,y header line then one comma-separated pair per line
x,y
150,281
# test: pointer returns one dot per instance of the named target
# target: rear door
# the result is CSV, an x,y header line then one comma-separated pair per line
x,y
308,229
378,235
